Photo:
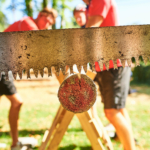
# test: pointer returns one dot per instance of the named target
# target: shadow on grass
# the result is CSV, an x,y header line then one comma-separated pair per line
x,y
25,132
35,132
71,147
74,130
135,83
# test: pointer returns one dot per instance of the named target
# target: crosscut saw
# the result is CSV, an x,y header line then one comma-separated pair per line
x,y
39,49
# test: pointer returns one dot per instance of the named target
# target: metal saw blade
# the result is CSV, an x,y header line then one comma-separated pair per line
x,y
39,49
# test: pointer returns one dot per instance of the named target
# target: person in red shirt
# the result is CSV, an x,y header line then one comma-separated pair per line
x,y
45,19
80,15
114,84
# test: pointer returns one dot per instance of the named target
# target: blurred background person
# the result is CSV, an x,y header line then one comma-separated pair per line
x,y
8,89
80,15
44,19
114,84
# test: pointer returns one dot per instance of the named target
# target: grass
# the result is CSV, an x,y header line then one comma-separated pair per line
x,y
40,107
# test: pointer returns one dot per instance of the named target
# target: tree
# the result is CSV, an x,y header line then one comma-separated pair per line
x,y
62,6
54,5
3,19
29,9
45,3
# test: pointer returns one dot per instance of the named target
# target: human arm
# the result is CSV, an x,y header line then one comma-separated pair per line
x,y
97,12
94,21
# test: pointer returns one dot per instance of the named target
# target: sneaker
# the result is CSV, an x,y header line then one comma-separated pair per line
x,y
17,147
136,142
28,141
2,145
110,130
25,148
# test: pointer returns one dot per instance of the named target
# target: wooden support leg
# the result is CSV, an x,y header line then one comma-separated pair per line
x,y
91,129
91,125
61,121
49,132
60,130
57,130
105,137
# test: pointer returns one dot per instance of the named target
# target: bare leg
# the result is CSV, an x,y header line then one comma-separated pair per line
x,y
16,103
122,127
126,115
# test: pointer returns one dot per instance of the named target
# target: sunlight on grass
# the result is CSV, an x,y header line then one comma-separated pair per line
x,y
37,116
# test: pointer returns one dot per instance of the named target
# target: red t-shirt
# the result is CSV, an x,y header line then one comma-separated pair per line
x,y
106,9
25,24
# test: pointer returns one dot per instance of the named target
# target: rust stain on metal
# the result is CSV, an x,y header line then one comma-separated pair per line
x,y
77,97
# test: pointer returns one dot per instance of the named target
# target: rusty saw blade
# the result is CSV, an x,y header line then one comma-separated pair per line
x,y
39,49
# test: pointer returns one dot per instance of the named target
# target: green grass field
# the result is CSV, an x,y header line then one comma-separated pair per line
x,y
40,107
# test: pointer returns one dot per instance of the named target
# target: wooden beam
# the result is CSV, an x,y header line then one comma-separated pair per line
x,y
89,127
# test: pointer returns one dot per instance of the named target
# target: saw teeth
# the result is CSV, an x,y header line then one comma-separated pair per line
x,y
57,69
79,68
6,75
42,72
78,51
115,64
63,70
100,65
107,66
129,62
14,75
123,62
137,61
28,73
93,67
20,74
35,72
85,67
145,59
49,72
71,69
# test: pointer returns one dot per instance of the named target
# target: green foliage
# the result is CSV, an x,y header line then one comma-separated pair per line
x,y
141,74
29,9
40,107
3,19
45,3
74,23
62,6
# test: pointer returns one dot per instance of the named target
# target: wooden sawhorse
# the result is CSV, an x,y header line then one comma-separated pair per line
x,y
90,124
